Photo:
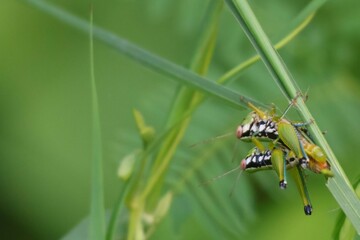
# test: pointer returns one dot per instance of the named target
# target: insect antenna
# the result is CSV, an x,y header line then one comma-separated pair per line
x,y
219,176
211,139
235,184
292,103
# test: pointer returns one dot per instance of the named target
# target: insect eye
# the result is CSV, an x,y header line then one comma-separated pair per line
x,y
243,164
239,132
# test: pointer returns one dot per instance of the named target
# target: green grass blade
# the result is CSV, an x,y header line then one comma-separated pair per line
x,y
146,58
97,212
266,51
344,229
309,10
203,54
120,202
236,71
186,98
339,185
297,25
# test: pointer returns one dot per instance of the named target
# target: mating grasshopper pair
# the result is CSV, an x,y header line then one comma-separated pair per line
x,y
290,148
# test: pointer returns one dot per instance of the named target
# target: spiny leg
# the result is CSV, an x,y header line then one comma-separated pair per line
x,y
308,207
303,124
301,186
304,161
283,185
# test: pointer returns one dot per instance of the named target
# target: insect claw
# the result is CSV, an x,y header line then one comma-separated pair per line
x,y
283,184
304,163
293,101
308,209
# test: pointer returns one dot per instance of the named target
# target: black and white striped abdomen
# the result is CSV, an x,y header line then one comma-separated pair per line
x,y
257,159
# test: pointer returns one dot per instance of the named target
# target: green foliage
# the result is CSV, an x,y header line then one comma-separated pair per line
x,y
49,158
344,229
97,212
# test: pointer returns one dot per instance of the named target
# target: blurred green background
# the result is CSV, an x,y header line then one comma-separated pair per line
x,y
45,115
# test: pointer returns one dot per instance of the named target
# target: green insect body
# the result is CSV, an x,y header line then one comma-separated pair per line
x,y
289,137
269,127
318,162
264,126
289,148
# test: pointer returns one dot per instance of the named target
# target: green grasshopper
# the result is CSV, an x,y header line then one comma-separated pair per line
x,y
269,127
263,126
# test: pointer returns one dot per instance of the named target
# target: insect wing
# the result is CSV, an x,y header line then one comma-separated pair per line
x,y
289,137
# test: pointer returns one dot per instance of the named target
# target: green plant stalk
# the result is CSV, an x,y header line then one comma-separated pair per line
x,y
97,212
110,232
127,187
139,167
132,182
339,185
344,229
184,100
136,211
187,97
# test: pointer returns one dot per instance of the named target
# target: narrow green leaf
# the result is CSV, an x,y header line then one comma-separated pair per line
x,y
203,55
344,229
257,37
97,212
339,185
120,202
301,21
132,181
309,10
186,99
